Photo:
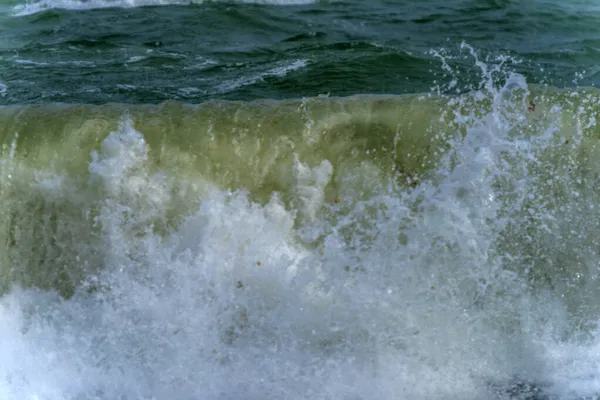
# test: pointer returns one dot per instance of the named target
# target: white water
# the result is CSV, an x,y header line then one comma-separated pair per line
x,y
404,294
279,71
35,6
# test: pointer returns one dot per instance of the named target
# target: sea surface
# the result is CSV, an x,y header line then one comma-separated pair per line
x,y
312,200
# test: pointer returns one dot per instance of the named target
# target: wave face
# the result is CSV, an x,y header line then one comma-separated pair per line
x,y
422,247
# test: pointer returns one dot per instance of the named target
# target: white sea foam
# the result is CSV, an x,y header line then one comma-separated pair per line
x,y
231,305
279,71
311,185
190,92
36,6
3,89
135,59
31,63
201,63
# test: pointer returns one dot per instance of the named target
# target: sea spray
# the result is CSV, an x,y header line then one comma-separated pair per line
x,y
387,247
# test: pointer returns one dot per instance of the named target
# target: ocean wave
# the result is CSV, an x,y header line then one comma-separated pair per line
x,y
37,6
445,245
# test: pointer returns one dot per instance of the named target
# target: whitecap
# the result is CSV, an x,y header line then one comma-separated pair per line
x,y
279,71
36,6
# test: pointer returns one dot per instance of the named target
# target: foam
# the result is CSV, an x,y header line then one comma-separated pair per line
x,y
34,7
278,71
311,185
229,302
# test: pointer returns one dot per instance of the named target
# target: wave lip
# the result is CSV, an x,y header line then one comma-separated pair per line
x,y
37,6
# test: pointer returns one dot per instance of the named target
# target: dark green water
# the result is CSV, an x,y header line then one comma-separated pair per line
x,y
324,200
79,51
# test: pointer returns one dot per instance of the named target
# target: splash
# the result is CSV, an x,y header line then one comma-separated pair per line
x,y
363,270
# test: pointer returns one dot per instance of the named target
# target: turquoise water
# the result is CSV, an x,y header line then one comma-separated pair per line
x,y
299,200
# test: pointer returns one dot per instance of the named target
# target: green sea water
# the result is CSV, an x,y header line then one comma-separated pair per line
x,y
299,200
79,51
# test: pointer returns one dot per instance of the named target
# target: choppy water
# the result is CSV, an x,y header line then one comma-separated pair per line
x,y
88,51
299,200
